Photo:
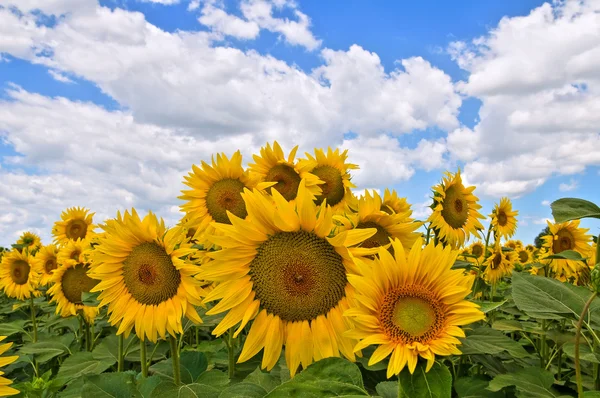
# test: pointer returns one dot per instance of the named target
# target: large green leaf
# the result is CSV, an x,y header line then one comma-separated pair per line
x,y
487,306
10,328
193,363
484,340
532,382
585,354
110,385
566,255
474,387
437,383
168,389
573,209
264,379
325,378
43,351
387,389
79,364
243,390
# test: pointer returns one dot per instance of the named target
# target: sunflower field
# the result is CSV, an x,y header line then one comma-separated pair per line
x,y
279,282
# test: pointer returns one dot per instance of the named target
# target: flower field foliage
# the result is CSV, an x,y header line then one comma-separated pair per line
x,y
278,281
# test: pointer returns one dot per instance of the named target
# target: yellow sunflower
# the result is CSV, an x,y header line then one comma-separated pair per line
x,y
272,167
70,280
5,389
18,277
45,262
455,214
286,269
523,256
29,240
145,277
76,223
393,204
73,252
477,249
499,264
332,169
530,248
388,225
567,236
410,305
504,219
514,244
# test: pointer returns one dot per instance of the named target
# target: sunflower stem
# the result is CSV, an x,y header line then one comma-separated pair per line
x,y
33,319
231,353
543,345
197,329
121,359
143,359
487,243
88,345
175,359
586,307
428,234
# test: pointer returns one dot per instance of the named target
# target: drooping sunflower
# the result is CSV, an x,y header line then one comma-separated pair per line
x,y
30,241
499,264
146,278
530,248
18,277
5,389
504,219
388,225
70,280
45,262
523,256
455,216
285,269
567,236
73,252
272,167
75,223
514,244
334,171
477,249
410,305
393,204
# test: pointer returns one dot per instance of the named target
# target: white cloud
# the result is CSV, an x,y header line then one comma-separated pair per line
x,y
194,5
542,221
60,77
163,2
545,203
571,186
541,98
228,24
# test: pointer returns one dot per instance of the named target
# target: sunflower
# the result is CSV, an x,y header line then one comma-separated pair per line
x,y
513,244
5,390
499,263
272,167
504,219
332,169
411,305
454,215
18,277
523,256
567,236
29,240
393,204
388,225
45,262
74,251
530,248
145,277
76,223
70,280
286,269
477,249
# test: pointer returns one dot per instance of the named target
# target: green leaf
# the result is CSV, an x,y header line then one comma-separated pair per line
x,y
109,385
387,389
474,387
530,382
487,306
243,390
585,354
10,328
79,364
437,383
44,351
507,325
264,379
215,378
591,394
567,209
567,255
484,340
90,299
147,385
193,363
325,378
194,390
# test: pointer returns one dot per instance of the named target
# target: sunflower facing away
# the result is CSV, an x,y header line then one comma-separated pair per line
x,y
499,264
567,236
70,280
285,270
410,305
18,278
145,277
75,223
455,214
5,389
272,166
504,219
388,225
332,169
45,262
30,240
393,204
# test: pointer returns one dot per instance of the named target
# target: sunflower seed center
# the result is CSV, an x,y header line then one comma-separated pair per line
x,y
75,282
226,195
19,272
76,229
287,180
454,207
333,189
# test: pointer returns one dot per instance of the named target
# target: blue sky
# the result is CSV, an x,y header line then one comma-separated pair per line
x,y
496,109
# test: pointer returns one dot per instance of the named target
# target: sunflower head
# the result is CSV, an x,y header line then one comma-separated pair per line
x,y
477,249
514,244
70,280
45,262
30,241
455,214
74,251
18,277
523,256
499,264
75,223
285,268
5,389
567,236
411,305
504,221
393,204
145,276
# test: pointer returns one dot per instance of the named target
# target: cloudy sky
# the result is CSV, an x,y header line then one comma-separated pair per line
x,y
107,104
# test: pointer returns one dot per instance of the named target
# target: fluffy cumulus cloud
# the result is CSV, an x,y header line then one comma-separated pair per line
x,y
539,83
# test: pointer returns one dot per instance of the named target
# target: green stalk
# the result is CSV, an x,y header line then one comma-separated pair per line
x,y
231,353
487,243
586,307
33,320
197,336
121,359
88,345
543,345
143,359
428,234
175,359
